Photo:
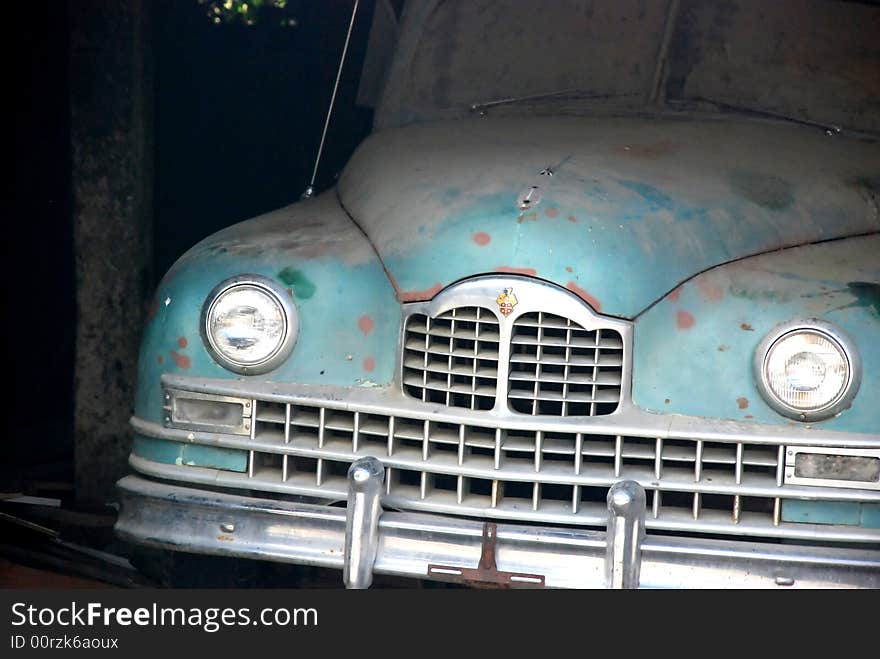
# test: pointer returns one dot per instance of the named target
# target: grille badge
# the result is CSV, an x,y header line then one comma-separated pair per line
x,y
506,301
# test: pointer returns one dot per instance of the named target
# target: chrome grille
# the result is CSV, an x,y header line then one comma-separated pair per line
x,y
559,368
559,477
452,359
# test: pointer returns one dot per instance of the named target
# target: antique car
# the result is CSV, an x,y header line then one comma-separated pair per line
x,y
565,320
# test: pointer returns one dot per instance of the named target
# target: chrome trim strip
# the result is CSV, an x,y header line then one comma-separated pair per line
x,y
409,542
629,420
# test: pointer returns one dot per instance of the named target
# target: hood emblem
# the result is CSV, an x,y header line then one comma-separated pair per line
x,y
506,301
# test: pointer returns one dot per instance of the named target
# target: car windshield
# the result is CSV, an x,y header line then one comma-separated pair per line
x,y
457,56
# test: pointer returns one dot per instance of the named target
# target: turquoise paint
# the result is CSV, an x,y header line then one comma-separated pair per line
x,y
331,349
733,308
191,455
871,515
642,224
845,513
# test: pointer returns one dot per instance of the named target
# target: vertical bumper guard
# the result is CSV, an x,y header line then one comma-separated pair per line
x,y
626,531
365,479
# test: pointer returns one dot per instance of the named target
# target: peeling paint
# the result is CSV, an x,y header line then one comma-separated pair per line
x,y
710,291
530,272
420,296
684,320
481,238
584,295
180,361
366,324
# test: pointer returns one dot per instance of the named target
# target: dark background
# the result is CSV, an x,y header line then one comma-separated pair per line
x,y
237,113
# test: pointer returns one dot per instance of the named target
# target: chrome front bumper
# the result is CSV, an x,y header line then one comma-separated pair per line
x,y
362,539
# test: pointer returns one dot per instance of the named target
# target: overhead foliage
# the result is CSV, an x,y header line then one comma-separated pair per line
x,y
248,12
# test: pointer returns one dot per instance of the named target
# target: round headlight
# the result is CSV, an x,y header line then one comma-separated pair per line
x,y
249,324
807,370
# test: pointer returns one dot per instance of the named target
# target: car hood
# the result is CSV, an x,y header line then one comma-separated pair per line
x,y
622,210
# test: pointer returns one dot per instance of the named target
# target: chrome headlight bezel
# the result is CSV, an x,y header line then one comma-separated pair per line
x,y
829,332
280,296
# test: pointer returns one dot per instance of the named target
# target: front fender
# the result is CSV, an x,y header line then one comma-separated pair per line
x,y
694,348
349,316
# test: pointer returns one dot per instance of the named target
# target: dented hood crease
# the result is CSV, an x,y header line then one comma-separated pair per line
x,y
631,207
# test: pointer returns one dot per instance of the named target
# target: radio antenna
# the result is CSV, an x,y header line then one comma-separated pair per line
x,y
310,190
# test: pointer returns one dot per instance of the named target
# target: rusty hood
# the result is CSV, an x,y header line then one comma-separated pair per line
x,y
620,210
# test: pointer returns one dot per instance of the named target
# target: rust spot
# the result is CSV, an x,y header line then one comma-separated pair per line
x,y
369,364
181,361
516,271
568,268
419,296
552,212
153,309
527,217
182,342
684,320
572,219
675,294
723,347
742,402
746,327
749,416
666,401
160,359
481,238
710,292
582,294
365,323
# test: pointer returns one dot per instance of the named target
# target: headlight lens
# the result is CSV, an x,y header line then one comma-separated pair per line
x,y
807,372
249,324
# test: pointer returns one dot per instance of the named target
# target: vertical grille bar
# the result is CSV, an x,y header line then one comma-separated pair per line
x,y
658,474
698,475
253,436
780,473
319,471
286,441
737,499
618,455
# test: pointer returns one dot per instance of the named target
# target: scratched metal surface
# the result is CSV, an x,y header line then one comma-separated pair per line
x,y
693,350
349,318
634,207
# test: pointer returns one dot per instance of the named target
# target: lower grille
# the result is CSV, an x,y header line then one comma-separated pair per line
x,y
555,477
